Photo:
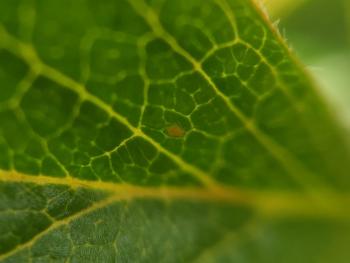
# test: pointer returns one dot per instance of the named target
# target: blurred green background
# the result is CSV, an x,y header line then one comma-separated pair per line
x,y
319,33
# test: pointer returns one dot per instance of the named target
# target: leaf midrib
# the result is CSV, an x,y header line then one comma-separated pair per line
x,y
116,196
263,204
270,203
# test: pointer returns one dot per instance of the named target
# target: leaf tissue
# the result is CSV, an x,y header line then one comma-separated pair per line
x,y
163,131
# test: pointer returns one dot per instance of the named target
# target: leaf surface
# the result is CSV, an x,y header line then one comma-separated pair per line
x,y
163,131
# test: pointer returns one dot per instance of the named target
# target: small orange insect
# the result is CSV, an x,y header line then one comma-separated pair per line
x,y
175,131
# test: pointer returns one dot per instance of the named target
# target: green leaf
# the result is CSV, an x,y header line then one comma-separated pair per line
x,y
329,58
163,131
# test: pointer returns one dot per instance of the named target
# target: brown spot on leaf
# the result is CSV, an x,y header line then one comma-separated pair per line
x,y
175,131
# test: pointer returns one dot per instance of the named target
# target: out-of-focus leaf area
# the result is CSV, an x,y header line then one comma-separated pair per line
x,y
319,32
